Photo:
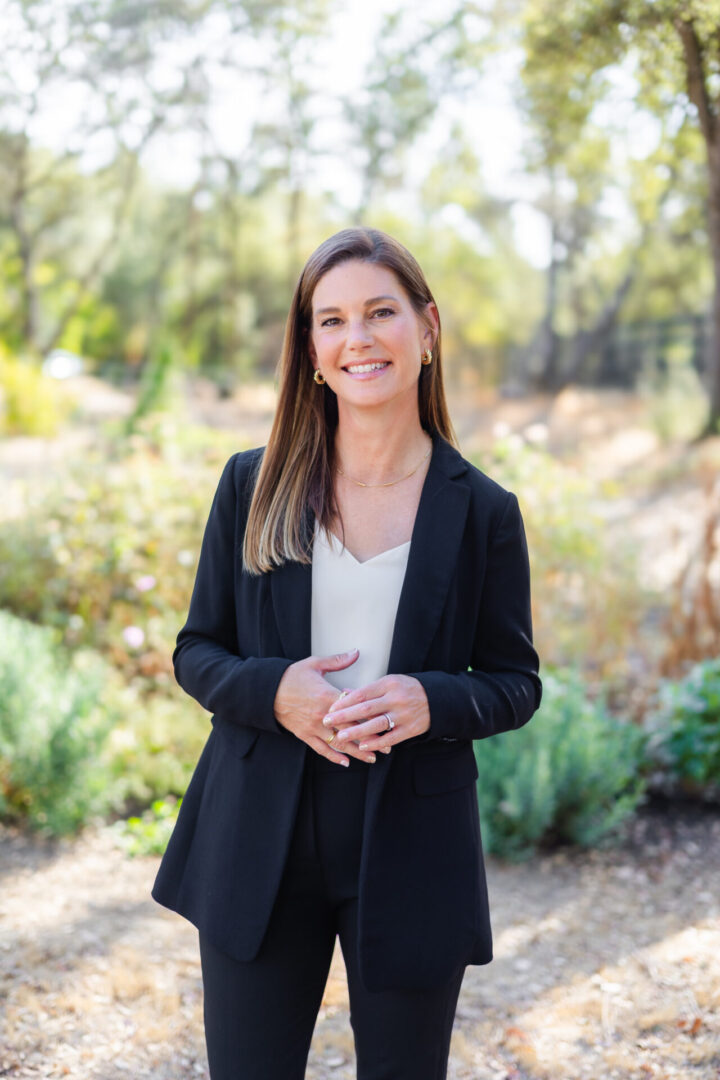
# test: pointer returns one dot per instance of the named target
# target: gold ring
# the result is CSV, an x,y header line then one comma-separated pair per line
x,y
328,741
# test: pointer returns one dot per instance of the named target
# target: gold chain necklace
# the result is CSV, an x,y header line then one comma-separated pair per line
x,y
392,482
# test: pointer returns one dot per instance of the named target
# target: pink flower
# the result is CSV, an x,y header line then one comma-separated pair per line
x,y
134,636
147,581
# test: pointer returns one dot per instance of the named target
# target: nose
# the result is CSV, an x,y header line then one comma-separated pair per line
x,y
358,336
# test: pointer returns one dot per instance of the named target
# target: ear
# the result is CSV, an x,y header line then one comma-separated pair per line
x,y
432,317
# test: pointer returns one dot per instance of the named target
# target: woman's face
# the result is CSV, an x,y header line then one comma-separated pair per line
x,y
366,337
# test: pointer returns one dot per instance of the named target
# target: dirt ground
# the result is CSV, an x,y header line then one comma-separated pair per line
x,y
607,965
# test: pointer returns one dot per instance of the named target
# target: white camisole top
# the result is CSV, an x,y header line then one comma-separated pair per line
x,y
354,605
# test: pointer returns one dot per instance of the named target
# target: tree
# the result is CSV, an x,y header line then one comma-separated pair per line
x,y
416,65
674,46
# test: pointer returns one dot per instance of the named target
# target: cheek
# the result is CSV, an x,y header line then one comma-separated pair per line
x,y
403,338
325,344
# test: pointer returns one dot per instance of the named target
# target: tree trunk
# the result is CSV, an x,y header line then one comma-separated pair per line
x,y
548,374
713,354
594,340
698,89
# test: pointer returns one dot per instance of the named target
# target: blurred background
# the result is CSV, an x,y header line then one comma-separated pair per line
x,y
165,170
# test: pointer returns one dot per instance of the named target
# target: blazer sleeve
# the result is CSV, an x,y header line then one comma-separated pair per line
x,y
206,658
502,689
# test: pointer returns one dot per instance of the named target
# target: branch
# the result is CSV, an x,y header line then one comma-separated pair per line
x,y
696,81
91,274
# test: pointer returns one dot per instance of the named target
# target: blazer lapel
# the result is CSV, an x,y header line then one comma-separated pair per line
x,y
434,545
291,588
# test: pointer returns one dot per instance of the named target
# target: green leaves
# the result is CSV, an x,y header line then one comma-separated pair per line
x,y
572,775
52,728
685,726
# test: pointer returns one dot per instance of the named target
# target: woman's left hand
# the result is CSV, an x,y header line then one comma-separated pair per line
x,y
360,714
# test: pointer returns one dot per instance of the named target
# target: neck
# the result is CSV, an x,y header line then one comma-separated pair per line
x,y
372,453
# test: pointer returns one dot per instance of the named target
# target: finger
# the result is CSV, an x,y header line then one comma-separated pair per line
x,y
372,692
320,746
330,723
337,661
359,733
376,743
350,741
351,749
355,714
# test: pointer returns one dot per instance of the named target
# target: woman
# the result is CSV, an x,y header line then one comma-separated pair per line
x,y
361,613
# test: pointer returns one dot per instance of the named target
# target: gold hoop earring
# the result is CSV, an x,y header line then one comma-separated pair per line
x,y
319,377
427,357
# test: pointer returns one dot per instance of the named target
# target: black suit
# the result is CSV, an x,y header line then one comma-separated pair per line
x,y
465,604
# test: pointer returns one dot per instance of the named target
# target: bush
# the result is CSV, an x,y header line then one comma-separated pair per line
x,y
152,750
149,833
52,729
684,727
572,775
30,402
108,557
588,604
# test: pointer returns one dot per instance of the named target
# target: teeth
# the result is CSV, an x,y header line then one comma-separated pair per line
x,y
357,368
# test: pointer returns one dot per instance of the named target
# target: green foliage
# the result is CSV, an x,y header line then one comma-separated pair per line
x,y
571,775
154,746
149,833
153,393
108,558
30,403
52,729
587,603
685,726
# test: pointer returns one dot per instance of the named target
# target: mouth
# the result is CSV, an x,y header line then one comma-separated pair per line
x,y
368,368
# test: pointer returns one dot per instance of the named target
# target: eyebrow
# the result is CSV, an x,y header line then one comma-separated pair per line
x,y
373,300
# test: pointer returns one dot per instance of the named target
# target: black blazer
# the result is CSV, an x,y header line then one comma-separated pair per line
x,y
463,629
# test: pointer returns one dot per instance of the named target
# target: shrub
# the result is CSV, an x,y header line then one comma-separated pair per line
x,y
108,556
30,402
571,775
587,600
51,729
684,727
152,749
149,833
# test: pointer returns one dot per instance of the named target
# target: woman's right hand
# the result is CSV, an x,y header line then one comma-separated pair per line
x,y
303,698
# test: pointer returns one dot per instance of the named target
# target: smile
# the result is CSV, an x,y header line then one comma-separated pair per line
x,y
361,369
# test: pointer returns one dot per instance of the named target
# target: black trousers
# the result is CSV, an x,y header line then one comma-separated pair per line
x,y
260,1015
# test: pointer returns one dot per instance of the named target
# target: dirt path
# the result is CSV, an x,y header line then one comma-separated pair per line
x,y
607,966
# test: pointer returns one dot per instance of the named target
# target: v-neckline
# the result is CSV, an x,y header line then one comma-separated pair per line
x,y
364,562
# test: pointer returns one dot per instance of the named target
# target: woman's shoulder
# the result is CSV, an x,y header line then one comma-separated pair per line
x,y
239,473
482,485
486,485
244,462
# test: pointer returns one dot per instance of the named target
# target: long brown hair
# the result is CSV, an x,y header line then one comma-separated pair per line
x,y
297,467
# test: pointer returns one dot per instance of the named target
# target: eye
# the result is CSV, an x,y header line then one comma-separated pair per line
x,y
328,321
384,311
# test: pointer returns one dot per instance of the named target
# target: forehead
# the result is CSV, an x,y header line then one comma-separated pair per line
x,y
355,282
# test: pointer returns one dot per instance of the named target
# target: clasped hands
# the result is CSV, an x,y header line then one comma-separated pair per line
x,y
311,708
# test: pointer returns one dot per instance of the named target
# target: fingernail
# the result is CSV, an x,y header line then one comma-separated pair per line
x,y
363,746
371,757
327,719
344,761
387,750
